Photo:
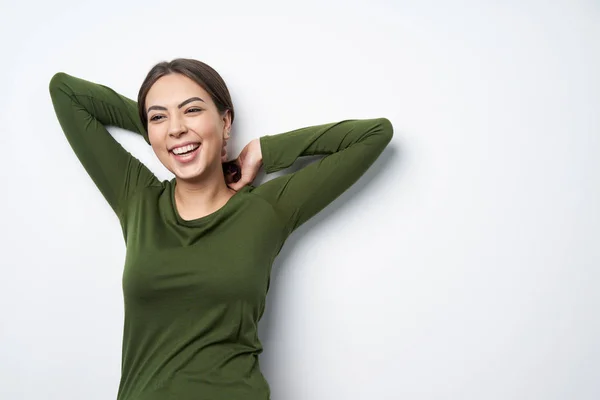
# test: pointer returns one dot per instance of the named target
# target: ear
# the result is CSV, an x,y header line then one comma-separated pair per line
x,y
226,124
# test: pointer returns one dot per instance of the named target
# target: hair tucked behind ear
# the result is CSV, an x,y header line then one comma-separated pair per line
x,y
205,76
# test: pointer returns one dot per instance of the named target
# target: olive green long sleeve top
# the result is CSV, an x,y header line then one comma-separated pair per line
x,y
194,290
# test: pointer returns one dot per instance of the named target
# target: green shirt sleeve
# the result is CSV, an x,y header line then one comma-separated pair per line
x,y
350,146
83,109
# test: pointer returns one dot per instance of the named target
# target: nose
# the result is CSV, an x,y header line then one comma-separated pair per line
x,y
176,126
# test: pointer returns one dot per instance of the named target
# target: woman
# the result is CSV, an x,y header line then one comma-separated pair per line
x,y
200,246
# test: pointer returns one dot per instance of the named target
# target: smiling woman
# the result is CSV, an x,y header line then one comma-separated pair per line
x,y
192,305
174,124
207,106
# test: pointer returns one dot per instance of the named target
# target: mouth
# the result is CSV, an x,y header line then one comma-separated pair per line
x,y
187,153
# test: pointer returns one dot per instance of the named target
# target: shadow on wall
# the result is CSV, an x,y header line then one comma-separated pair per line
x,y
358,190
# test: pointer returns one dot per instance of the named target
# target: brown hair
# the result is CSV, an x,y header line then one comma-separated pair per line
x,y
205,76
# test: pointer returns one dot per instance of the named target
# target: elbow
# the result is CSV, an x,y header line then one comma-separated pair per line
x,y
386,129
58,82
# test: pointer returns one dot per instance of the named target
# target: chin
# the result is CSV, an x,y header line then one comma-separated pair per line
x,y
195,171
189,175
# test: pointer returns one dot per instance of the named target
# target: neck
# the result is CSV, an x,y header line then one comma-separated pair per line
x,y
195,199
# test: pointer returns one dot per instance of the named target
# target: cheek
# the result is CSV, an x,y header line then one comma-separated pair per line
x,y
156,141
157,138
153,133
204,126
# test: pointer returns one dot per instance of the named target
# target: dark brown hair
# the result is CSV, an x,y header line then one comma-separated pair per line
x,y
205,76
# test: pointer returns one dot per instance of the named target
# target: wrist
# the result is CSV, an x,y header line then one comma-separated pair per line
x,y
257,150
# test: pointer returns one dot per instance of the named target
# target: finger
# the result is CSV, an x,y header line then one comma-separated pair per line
x,y
239,185
236,185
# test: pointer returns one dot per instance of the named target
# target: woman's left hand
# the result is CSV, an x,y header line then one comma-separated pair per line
x,y
248,162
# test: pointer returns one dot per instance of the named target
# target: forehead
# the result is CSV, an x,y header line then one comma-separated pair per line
x,y
172,89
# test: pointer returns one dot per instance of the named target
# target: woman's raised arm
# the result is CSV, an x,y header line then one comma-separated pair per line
x,y
83,109
350,147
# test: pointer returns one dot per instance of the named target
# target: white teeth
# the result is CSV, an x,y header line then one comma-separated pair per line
x,y
185,149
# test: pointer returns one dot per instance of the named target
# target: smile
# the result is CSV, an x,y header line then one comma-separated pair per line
x,y
187,153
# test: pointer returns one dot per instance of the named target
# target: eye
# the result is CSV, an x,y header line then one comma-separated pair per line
x,y
155,117
194,109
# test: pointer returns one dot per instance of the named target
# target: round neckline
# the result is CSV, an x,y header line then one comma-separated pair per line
x,y
208,217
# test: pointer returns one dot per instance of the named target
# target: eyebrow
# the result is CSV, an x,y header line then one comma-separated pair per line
x,y
179,106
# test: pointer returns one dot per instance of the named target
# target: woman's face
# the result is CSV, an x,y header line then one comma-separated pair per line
x,y
181,113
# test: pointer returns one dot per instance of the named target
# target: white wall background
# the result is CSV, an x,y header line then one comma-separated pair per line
x,y
463,265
